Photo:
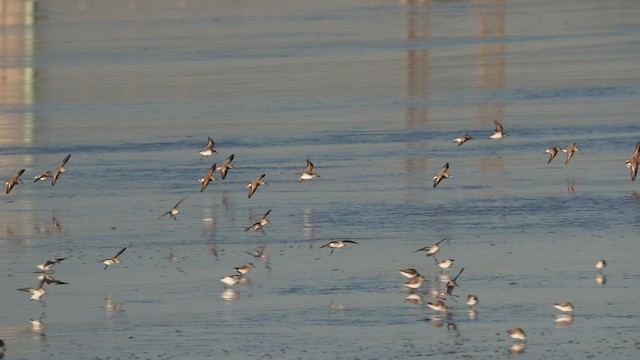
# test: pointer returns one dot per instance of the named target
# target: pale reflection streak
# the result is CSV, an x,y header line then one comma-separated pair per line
x,y
17,47
491,75
417,76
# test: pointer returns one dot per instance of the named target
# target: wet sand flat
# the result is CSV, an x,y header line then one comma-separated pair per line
x,y
373,93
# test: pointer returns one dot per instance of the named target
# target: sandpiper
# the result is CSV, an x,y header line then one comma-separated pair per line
x,y
552,151
336,244
415,283
49,264
231,280
225,166
462,139
444,264
431,250
601,264
442,174
50,279
409,273
308,174
36,292
208,150
254,184
564,306
260,224
498,132
633,162
14,180
208,177
570,150
438,305
112,260
472,300
517,334
59,170
244,269
42,176
174,210
451,284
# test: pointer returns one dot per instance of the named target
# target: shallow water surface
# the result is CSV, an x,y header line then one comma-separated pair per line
x,y
371,92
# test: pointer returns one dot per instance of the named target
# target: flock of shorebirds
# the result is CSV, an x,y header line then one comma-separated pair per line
x,y
414,279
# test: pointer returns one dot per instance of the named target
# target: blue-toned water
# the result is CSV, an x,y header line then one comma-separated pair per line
x,y
373,93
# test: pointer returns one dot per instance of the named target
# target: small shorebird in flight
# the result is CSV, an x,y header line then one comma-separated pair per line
x,y
14,180
442,174
633,162
570,150
260,224
552,151
225,166
431,250
49,264
337,244
462,139
36,292
174,210
50,279
472,300
208,177
208,150
59,170
601,264
254,184
498,132
42,176
308,174
244,269
451,284
112,260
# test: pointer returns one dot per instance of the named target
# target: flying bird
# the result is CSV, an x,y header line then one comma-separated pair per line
x,y
633,162
260,224
14,180
208,150
225,166
49,264
462,139
174,210
208,177
254,184
59,170
442,174
112,260
308,174
431,250
552,151
498,132
337,244
570,150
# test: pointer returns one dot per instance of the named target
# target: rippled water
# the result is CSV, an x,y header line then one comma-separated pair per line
x,y
373,93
